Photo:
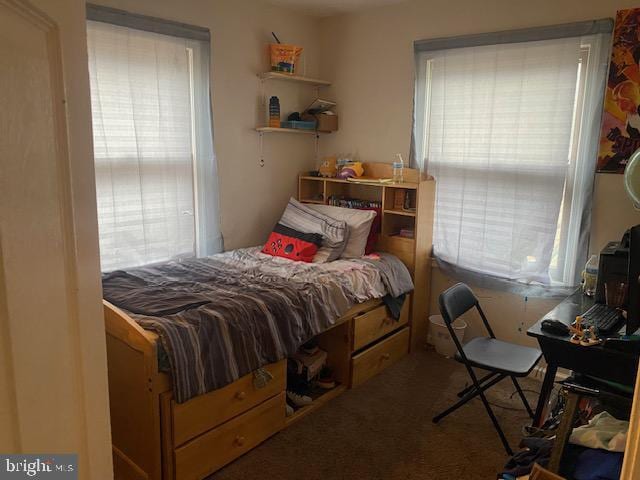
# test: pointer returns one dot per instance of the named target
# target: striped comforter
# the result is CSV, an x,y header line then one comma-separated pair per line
x,y
221,317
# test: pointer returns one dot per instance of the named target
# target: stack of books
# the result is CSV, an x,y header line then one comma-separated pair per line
x,y
406,233
346,202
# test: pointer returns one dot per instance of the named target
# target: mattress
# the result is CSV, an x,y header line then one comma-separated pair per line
x,y
221,317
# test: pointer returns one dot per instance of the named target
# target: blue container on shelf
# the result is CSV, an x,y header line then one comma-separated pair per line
x,y
299,124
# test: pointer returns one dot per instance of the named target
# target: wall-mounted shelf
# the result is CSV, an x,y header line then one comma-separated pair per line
x,y
286,130
293,78
313,82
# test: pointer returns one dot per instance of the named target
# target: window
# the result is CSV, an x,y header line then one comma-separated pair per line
x,y
507,130
154,163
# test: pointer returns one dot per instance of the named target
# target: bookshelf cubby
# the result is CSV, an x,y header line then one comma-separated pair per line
x,y
414,213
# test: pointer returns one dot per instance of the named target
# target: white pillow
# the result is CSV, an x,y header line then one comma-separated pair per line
x,y
335,233
359,223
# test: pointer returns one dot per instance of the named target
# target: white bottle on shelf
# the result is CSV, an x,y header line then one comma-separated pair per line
x,y
398,167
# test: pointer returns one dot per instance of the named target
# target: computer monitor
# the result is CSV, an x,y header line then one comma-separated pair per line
x,y
633,309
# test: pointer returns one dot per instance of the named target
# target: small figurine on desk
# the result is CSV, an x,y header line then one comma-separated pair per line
x,y
590,338
576,330
587,337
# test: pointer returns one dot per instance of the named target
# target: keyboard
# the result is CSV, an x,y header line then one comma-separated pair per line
x,y
605,319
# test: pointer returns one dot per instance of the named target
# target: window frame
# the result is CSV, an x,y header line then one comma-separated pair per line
x,y
563,269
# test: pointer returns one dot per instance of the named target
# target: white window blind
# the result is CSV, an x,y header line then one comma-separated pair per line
x,y
155,170
499,127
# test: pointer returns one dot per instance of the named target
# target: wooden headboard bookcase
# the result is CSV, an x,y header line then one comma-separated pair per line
x,y
156,438
414,252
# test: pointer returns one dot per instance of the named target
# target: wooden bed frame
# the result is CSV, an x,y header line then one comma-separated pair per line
x,y
156,438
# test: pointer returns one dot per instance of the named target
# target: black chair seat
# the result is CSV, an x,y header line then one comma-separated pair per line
x,y
498,356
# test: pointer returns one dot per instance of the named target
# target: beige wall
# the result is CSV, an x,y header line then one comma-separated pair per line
x,y
252,197
612,211
369,57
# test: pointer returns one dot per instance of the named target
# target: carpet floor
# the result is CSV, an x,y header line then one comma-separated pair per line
x,y
383,430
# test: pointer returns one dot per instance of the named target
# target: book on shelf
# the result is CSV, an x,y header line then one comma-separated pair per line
x,y
346,202
320,105
405,233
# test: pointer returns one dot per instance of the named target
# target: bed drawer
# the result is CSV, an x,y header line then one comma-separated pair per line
x,y
376,323
216,448
207,411
375,359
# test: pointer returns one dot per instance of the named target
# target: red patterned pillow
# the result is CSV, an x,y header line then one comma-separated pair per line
x,y
289,243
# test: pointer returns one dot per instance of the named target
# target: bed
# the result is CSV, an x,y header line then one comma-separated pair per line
x,y
318,297
166,429
225,316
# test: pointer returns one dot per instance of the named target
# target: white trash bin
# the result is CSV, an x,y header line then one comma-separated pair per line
x,y
439,335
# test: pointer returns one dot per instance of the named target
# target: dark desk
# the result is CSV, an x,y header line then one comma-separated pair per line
x,y
598,361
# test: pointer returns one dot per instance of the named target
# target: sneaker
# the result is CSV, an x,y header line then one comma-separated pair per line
x,y
325,379
288,411
299,400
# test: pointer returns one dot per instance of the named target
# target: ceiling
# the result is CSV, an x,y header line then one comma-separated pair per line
x,y
325,8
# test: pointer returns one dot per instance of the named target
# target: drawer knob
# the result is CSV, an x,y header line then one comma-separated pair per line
x,y
239,441
241,395
386,356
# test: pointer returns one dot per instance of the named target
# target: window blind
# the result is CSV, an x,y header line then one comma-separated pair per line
x,y
496,136
155,170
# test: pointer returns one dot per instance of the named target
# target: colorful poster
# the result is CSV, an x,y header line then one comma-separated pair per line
x,y
621,120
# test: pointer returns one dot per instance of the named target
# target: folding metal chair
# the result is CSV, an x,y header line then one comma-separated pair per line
x,y
500,359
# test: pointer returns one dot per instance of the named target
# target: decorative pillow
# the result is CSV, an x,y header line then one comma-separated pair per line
x,y
376,229
335,233
289,243
359,223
